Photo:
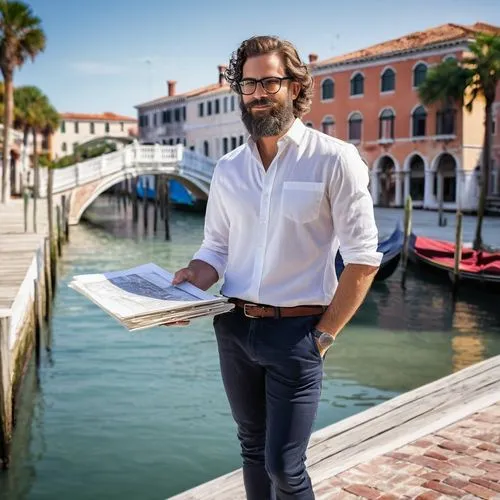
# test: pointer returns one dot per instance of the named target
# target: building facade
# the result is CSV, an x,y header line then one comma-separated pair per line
x,y
370,98
78,128
214,125
206,120
162,120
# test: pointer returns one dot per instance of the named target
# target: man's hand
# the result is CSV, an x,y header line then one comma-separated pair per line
x,y
200,274
184,274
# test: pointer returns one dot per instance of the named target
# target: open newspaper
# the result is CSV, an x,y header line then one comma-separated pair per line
x,y
143,296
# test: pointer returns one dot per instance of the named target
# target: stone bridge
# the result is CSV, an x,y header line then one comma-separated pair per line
x,y
84,182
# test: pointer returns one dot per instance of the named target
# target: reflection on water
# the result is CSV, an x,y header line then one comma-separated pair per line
x,y
128,416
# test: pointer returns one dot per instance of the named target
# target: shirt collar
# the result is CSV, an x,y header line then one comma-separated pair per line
x,y
295,134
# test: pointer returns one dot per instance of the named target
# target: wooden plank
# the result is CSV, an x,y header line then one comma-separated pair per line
x,y
381,428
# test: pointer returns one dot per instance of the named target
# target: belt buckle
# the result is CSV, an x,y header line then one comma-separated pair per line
x,y
247,304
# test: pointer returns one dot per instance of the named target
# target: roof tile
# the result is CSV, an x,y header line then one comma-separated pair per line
x,y
417,40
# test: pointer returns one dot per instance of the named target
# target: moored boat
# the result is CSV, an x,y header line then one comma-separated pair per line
x,y
476,266
391,247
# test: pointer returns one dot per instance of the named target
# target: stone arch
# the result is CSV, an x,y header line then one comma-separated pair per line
x,y
83,196
415,168
386,169
444,168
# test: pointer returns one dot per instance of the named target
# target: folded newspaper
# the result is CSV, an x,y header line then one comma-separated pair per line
x,y
143,296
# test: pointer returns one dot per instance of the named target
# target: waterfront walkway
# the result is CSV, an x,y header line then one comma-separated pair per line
x,y
439,441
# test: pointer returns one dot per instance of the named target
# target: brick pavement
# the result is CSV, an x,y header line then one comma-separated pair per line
x,y
459,461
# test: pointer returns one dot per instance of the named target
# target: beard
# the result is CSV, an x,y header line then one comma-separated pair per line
x,y
271,122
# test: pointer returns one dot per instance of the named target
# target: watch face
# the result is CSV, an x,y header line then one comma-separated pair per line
x,y
325,340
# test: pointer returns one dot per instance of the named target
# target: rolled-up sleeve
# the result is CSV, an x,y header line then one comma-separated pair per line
x,y
352,210
214,247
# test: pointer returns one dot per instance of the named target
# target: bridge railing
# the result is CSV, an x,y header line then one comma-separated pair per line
x,y
197,165
96,168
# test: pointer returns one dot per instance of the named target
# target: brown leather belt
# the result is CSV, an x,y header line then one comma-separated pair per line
x,y
252,310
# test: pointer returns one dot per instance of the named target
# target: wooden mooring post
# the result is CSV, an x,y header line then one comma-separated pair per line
x,y
135,208
50,217
37,307
166,212
59,231
5,392
65,217
145,203
406,239
458,254
48,279
157,185
26,201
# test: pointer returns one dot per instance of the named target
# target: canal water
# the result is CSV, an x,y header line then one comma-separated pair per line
x,y
115,415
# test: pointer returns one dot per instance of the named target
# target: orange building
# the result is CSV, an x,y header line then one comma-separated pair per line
x,y
370,98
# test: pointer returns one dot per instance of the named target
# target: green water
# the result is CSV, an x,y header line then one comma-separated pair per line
x,y
114,415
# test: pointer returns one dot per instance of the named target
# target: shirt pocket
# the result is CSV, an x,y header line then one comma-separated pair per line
x,y
301,201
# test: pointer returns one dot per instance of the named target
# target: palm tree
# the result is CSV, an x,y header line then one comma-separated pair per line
x,y
33,112
21,36
43,119
472,79
24,98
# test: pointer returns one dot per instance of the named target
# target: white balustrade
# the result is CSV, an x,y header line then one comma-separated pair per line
x,y
170,159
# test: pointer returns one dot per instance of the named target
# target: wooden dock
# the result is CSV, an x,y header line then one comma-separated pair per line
x,y
380,430
26,283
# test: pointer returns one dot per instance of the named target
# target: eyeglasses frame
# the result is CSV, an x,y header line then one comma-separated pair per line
x,y
262,85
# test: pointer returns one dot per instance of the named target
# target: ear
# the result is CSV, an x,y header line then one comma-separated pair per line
x,y
295,88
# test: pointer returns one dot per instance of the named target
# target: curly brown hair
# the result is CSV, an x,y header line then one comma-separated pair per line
x,y
294,67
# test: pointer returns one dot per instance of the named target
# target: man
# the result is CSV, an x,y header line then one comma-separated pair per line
x,y
278,208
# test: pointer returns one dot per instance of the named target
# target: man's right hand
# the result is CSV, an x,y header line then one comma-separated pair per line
x,y
184,274
199,273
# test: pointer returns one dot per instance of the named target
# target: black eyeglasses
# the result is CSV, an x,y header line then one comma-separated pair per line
x,y
271,85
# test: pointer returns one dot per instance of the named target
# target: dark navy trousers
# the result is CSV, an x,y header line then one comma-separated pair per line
x,y
272,373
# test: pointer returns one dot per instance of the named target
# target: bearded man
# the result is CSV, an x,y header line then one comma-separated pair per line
x,y
279,208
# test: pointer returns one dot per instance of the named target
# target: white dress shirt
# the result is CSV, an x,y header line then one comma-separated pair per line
x,y
273,235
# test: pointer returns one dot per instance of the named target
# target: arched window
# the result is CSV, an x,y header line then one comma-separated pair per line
x,y
388,82
419,118
355,126
386,124
327,89
419,74
358,84
328,125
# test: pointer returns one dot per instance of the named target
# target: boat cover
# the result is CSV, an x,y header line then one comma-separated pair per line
x,y
442,252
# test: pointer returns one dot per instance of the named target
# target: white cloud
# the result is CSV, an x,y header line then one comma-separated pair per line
x,y
95,68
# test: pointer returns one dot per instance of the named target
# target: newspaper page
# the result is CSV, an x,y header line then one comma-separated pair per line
x,y
144,295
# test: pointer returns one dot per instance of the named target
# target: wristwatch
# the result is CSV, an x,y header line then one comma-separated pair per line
x,y
323,339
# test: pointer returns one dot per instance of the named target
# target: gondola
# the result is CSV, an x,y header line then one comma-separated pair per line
x,y
477,267
391,247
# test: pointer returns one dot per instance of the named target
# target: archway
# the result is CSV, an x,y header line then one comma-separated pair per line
x,y
387,181
445,180
417,178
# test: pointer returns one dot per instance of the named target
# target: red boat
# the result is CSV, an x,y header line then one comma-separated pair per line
x,y
476,266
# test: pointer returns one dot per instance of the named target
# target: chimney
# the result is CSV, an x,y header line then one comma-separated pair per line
x,y
222,70
313,58
171,87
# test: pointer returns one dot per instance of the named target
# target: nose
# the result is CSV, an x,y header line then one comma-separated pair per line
x,y
259,92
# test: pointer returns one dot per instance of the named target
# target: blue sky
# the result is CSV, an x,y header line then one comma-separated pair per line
x,y
109,55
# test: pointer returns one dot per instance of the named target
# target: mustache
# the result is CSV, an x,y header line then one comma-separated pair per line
x,y
259,102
